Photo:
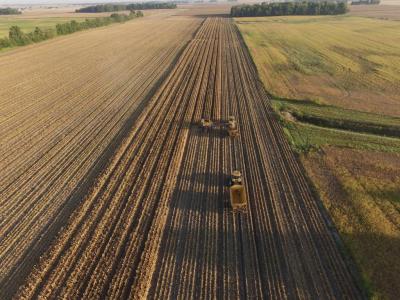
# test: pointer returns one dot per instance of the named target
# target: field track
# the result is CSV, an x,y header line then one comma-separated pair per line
x,y
63,104
157,222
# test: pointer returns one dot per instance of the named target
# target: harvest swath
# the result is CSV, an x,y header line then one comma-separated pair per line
x,y
157,223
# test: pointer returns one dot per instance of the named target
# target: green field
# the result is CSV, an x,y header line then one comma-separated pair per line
x,y
351,62
366,122
306,137
28,25
310,125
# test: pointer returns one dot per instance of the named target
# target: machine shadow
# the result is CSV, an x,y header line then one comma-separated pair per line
x,y
200,247
210,192
195,128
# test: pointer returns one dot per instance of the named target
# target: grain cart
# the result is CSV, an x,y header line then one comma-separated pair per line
x,y
206,124
233,129
237,192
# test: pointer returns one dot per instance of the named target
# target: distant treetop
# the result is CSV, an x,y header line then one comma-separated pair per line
x,y
290,8
365,2
9,11
119,7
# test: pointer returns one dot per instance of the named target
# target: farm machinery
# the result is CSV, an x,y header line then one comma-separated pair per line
x,y
229,126
206,124
232,126
237,192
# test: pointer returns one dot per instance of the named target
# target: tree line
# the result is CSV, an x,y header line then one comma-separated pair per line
x,y
73,26
365,2
9,11
290,8
119,7
17,37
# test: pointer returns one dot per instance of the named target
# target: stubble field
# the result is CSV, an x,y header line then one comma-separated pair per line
x,y
108,178
157,223
63,105
361,190
389,11
349,62
335,82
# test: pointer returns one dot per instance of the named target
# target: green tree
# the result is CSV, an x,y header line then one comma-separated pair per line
x,y
17,37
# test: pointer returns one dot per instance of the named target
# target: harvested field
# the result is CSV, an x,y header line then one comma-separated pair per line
x,y
387,12
361,191
63,105
346,61
157,222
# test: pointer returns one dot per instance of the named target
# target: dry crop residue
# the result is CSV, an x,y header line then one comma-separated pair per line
x,y
62,105
361,190
158,224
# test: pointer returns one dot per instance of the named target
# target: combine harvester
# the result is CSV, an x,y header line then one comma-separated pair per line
x,y
237,192
206,124
231,126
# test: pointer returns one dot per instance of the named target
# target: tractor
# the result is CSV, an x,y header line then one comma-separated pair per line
x,y
206,124
233,129
237,192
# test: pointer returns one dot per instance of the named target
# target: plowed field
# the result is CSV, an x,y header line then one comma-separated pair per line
x,y
156,223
